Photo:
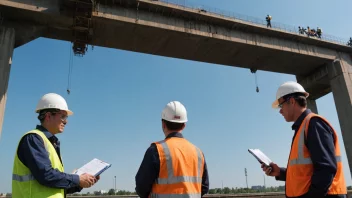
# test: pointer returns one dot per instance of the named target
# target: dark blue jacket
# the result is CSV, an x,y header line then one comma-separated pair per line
x,y
320,143
32,153
149,171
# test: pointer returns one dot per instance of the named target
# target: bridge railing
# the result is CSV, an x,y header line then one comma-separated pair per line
x,y
250,19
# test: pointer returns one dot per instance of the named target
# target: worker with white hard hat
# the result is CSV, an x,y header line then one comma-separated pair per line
x,y
173,167
314,167
38,170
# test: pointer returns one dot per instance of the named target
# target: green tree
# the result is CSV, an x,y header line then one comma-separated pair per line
x,y
226,190
111,192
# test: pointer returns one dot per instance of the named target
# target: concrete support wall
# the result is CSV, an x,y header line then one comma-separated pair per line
x,y
340,74
7,42
312,105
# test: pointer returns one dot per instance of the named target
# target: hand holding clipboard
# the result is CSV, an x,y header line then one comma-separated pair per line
x,y
95,167
267,165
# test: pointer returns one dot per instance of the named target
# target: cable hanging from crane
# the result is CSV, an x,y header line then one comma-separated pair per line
x,y
254,71
70,66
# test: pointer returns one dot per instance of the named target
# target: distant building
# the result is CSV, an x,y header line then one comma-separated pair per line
x,y
103,191
100,192
5,194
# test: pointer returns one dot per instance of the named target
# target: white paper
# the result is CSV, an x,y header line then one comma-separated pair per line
x,y
260,156
93,167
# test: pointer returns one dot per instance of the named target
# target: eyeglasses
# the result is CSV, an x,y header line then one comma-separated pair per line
x,y
286,100
63,117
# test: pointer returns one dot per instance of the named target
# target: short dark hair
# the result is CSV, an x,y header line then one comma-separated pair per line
x,y
300,98
173,126
42,113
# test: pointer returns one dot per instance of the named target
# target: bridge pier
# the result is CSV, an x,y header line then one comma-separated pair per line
x,y
340,75
312,105
335,77
7,43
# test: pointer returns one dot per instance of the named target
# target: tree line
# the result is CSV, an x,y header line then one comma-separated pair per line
x,y
225,190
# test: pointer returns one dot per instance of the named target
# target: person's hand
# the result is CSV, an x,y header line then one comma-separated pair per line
x,y
86,180
97,178
272,170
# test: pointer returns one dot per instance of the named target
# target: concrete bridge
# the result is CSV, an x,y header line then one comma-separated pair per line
x,y
160,28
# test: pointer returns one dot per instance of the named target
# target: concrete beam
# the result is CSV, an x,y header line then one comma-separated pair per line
x,y
234,22
177,37
7,43
340,74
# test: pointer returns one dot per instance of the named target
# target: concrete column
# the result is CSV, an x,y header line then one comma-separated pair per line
x,y
312,105
309,87
340,74
7,42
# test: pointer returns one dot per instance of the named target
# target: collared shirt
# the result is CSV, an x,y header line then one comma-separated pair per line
x,y
320,143
32,153
149,171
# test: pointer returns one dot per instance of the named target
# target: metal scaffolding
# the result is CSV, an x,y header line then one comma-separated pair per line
x,y
82,26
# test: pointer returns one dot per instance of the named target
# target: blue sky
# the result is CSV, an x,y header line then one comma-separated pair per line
x,y
117,97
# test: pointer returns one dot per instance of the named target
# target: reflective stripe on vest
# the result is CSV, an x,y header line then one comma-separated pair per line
x,y
152,195
301,160
22,178
171,179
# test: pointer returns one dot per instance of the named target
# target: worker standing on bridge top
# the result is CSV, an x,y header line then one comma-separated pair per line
x,y
173,167
314,167
268,21
350,42
319,32
38,170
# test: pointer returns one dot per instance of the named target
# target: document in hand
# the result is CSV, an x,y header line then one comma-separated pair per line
x,y
260,156
94,167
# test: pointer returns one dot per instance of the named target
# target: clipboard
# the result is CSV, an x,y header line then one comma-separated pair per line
x,y
95,167
260,156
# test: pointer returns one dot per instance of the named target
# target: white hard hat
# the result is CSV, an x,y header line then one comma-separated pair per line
x,y
174,112
52,101
288,88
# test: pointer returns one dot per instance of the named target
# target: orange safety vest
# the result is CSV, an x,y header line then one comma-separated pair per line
x,y
300,166
181,170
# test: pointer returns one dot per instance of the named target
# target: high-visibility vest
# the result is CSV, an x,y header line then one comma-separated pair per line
x,y
181,170
24,185
300,166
